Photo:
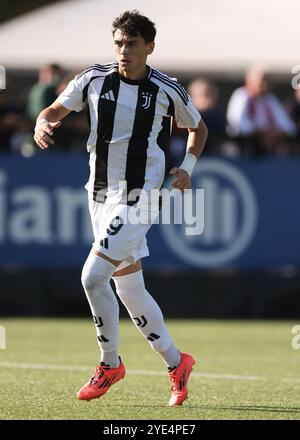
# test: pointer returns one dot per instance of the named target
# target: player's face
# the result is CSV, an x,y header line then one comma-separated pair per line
x,y
131,53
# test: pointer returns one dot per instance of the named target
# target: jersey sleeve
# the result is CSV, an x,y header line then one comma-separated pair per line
x,y
186,114
72,97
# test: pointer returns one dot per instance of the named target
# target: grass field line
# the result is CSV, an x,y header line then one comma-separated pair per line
x,y
145,372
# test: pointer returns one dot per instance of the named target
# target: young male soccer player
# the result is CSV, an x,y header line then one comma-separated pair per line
x,y
128,104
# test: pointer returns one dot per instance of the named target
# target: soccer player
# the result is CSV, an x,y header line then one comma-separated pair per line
x,y
129,106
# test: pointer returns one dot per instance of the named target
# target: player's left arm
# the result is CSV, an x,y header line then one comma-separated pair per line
x,y
196,141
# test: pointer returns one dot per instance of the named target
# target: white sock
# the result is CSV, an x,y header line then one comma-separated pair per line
x,y
146,315
96,275
110,359
171,357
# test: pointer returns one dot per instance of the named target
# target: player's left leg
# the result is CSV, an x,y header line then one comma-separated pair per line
x,y
147,317
145,313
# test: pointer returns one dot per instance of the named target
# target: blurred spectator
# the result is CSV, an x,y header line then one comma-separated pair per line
x,y
257,118
43,93
205,96
8,122
74,131
257,122
293,108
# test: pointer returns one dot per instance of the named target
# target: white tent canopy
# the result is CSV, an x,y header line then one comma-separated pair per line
x,y
193,35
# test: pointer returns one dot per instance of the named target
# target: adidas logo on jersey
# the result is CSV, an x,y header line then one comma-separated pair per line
x,y
109,96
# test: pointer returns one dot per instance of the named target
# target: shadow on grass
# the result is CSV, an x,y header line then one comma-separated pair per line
x,y
217,408
256,408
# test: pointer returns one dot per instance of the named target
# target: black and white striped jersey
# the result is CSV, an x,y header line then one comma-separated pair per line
x,y
128,121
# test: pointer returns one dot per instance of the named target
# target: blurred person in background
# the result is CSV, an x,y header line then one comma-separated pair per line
x,y
205,96
293,108
9,116
75,129
43,93
128,104
257,119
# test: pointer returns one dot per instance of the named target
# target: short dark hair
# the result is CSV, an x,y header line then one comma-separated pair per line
x,y
132,23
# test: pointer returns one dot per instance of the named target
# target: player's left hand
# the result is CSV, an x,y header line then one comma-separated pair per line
x,y
182,181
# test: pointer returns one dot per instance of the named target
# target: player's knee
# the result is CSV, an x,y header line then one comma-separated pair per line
x,y
93,278
89,280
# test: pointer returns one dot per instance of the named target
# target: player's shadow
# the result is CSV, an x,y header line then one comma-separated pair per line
x,y
257,408
262,408
218,408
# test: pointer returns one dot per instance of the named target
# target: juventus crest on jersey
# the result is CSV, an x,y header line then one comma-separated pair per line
x,y
129,122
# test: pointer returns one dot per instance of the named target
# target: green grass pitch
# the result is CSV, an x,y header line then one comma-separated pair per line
x,y
244,370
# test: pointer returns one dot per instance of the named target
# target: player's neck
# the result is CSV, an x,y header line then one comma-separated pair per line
x,y
137,75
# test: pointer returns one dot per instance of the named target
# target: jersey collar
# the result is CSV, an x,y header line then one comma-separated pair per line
x,y
136,82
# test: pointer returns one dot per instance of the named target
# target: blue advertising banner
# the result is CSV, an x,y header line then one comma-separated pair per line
x,y
251,215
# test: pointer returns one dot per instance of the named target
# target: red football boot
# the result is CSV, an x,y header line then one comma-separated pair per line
x,y
179,378
103,378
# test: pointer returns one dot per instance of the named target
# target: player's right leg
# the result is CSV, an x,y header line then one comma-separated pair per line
x,y
96,275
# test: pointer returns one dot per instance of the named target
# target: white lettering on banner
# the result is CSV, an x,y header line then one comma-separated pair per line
x,y
70,202
31,221
34,215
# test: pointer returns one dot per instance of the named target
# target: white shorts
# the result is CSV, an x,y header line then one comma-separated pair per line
x,y
118,240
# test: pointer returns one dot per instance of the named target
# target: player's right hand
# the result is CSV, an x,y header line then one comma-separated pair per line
x,y
43,132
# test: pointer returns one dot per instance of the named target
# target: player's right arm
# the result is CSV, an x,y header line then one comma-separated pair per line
x,y
49,119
